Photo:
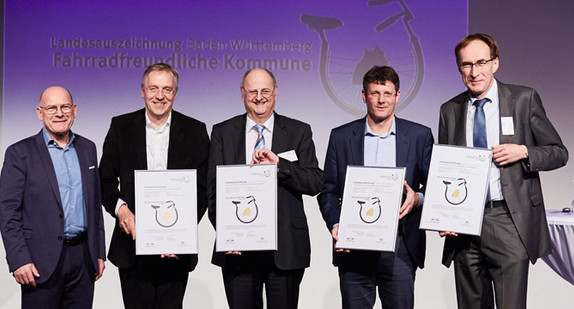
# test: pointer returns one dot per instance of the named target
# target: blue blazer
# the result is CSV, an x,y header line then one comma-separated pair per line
x,y
31,213
346,147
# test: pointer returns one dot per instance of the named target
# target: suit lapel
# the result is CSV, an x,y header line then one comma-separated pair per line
x,y
83,162
175,141
459,111
237,140
402,143
357,143
506,109
48,166
139,139
279,135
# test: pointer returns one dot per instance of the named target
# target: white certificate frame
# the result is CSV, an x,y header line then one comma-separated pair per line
x,y
370,208
456,189
246,207
166,212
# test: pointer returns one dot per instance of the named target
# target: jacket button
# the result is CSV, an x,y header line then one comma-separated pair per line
x,y
61,216
60,237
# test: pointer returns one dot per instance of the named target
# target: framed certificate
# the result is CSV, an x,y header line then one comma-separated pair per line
x,y
456,189
246,207
166,212
370,208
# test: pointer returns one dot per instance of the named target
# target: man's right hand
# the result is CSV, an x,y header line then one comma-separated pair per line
x,y
335,235
25,274
127,220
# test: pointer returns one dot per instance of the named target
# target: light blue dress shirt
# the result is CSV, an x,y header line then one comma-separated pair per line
x,y
381,150
69,175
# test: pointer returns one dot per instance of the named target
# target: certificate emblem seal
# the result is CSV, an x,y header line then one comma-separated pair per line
x,y
455,192
166,214
371,213
246,211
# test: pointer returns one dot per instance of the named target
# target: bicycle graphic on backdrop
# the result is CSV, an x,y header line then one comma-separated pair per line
x,y
341,75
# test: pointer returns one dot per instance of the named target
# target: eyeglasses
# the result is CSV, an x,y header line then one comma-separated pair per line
x,y
377,95
467,66
53,109
265,93
156,90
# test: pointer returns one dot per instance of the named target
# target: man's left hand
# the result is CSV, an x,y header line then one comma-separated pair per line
x,y
101,266
508,153
264,156
169,256
412,199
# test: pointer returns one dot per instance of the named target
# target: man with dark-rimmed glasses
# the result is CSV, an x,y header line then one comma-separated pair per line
x,y
510,120
50,210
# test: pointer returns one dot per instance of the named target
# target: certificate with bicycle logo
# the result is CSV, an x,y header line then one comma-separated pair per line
x,y
456,189
166,212
370,208
246,207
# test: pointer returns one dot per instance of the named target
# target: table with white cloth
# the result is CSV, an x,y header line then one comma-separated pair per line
x,y
561,260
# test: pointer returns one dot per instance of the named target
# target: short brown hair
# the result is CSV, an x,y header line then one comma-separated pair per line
x,y
487,39
380,75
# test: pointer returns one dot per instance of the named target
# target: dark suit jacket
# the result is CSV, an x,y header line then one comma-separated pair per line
x,y
520,181
125,151
31,213
294,179
346,147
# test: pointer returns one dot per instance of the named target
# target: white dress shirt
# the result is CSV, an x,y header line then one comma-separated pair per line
x,y
492,115
156,144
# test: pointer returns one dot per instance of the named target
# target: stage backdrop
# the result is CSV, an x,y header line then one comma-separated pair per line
x,y
318,50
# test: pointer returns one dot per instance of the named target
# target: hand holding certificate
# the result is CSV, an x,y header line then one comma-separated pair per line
x,y
246,204
370,208
456,189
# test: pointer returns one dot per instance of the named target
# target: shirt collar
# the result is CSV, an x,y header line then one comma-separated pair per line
x,y
150,125
50,141
268,124
490,95
368,131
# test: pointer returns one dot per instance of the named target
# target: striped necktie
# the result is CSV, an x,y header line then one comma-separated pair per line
x,y
260,143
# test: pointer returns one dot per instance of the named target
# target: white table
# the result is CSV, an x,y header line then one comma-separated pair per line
x,y
561,226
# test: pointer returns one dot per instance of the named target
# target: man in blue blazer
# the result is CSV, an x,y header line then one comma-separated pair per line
x,y
50,210
379,139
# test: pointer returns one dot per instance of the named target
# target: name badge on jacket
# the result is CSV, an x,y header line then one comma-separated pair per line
x,y
507,125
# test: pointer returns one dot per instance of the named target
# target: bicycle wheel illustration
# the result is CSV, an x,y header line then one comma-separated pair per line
x,y
341,74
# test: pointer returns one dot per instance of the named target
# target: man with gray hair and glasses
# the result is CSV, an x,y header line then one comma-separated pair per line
x,y
510,120
263,136
155,137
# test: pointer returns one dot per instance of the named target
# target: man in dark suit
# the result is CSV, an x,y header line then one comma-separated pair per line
x,y
287,143
50,213
379,139
511,121
153,138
